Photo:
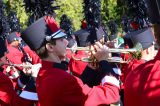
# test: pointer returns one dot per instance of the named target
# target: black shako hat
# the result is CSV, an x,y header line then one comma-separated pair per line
x,y
144,36
153,10
85,37
81,37
44,29
12,37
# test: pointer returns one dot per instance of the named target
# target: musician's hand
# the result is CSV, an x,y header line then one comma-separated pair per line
x,y
101,51
33,70
28,75
27,70
12,72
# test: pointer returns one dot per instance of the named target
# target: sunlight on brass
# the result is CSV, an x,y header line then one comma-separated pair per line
x,y
137,47
19,65
111,60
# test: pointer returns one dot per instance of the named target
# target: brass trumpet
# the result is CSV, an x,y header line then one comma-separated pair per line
x,y
111,60
136,48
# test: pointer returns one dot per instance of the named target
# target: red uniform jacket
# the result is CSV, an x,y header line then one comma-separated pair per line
x,y
15,56
131,66
124,66
127,67
69,54
142,86
8,96
76,66
33,55
56,87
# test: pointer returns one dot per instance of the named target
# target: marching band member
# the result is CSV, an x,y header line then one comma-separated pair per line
x,y
56,87
142,84
8,94
146,38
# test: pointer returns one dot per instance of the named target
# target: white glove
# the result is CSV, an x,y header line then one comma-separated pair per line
x,y
32,69
35,69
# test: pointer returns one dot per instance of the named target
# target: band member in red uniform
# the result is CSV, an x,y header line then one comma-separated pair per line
x,y
88,73
77,66
142,84
8,94
19,52
56,87
146,38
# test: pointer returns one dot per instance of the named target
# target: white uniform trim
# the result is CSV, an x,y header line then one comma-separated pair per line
x,y
117,71
48,38
111,80
29,95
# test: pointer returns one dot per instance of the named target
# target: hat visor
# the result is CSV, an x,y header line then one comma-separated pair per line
x,y
59,35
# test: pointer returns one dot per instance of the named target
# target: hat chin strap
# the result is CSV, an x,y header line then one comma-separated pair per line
x,y
48,38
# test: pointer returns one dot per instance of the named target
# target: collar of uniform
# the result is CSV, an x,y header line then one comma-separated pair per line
x,y
63,65
47,64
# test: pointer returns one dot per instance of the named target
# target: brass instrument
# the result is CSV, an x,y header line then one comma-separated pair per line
x,y
136,48
111,60
20,65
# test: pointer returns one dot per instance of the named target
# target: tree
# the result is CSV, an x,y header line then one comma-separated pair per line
x,y
113,9
73,9
17,6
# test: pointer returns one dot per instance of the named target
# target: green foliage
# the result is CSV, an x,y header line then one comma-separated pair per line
x,y
109,10
104,10
17,6
112,9
112,4
5,1
73,9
